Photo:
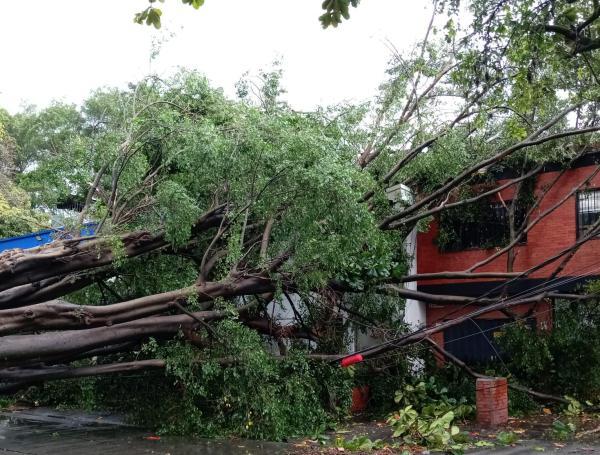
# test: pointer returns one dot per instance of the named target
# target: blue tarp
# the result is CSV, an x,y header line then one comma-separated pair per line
x,y
40,238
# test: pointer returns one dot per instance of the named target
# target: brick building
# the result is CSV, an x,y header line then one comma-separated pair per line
x,y
473,340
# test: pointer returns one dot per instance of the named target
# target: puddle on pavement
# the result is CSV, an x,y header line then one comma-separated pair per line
x,y
44,432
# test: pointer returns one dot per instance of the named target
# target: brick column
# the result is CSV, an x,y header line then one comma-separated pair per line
x,y
492,401
360,399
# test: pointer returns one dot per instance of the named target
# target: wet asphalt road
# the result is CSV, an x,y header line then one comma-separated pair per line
x,y
51,432
48,432
539,447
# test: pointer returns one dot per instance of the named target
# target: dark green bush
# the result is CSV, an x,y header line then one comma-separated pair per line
x,y
252,395
384,378
563,360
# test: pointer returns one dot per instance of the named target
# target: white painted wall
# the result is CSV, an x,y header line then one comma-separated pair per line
x,y
414,311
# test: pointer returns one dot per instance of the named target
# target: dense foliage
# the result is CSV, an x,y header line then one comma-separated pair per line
x,y
234,389
239,240
558,361
159,170
16,216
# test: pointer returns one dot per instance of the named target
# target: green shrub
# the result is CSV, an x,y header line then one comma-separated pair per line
x,y
394,374
427,415
558,361
240,391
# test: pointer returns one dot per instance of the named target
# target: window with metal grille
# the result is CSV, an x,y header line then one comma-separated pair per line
x,y
588,210
488,227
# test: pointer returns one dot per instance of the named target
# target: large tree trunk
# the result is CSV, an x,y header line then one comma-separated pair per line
x,y
20,267
60,315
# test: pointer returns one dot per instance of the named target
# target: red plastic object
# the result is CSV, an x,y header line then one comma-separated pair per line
x,y
351,360
152,438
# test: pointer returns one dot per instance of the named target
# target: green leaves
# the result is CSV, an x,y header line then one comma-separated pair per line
x,y
507,437
17,220
335,10
557,361
150,16
194,3
570,14
359,443
428,416
435,432
179,212
255,397
562,431
574,408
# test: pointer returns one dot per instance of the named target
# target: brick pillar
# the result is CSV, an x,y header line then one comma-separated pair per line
x,y
360,399
438,338
492,401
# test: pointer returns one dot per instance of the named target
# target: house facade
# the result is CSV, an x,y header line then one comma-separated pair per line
x,y
572,207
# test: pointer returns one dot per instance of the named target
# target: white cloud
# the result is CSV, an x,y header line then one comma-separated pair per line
x,y
63,49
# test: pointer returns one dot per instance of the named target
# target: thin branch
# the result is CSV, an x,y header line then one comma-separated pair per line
x,y
539,395
456,181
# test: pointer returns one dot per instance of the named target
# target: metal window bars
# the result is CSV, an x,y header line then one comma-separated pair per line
x,y
489,230
588,210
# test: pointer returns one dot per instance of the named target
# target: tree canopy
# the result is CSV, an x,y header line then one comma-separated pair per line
x,y
215,214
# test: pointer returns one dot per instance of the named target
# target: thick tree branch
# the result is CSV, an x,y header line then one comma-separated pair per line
x,y
532,140
59,315
19,267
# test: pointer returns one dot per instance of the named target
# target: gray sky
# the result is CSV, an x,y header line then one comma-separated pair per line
x,y
62,49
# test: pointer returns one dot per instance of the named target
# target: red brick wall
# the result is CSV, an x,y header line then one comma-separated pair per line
x,y
554,233
551,235
439,313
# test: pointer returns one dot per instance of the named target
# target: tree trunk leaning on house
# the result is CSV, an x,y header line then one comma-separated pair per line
x,y
209,207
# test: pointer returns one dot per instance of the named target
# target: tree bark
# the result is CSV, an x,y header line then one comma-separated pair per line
x,y
455,276
45,290
60,315
20,267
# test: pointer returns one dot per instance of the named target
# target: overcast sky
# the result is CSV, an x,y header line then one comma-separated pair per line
x,y
62,49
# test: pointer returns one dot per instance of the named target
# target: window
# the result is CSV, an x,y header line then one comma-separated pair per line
x,y
483,225
588,210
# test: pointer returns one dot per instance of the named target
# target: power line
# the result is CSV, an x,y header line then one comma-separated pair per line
x,y
530,292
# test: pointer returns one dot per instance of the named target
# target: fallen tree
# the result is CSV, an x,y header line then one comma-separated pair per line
x,y
29,267
288,225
